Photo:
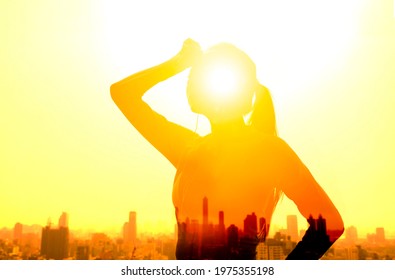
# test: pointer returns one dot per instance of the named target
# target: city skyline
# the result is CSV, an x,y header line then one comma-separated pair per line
x,y
19,227
201,238
58,241
280,224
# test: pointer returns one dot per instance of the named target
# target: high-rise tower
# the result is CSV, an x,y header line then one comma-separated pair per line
x,y
64,220
130,229
55,241
205,211
292,227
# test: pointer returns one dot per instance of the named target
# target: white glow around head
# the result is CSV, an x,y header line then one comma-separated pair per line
x,y
222,81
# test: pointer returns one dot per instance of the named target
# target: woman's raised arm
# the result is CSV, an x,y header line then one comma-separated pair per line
x,y
167,137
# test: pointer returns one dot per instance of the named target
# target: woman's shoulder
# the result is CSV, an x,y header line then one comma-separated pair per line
x,y
270,144
265,138
250,140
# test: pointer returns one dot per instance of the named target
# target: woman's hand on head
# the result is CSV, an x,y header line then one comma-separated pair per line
x,y
188,55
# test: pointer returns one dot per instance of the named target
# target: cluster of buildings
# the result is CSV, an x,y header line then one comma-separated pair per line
x,y
58,243
245,240
374,247
249,241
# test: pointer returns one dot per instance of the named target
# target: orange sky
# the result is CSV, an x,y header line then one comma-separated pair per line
x,y
66,147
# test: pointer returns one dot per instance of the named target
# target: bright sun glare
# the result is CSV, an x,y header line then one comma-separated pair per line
x,y
222,81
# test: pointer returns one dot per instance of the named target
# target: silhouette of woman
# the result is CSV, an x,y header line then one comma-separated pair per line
x,y
228,182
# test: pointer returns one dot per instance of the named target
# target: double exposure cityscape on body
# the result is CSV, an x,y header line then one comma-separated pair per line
x,y
58,241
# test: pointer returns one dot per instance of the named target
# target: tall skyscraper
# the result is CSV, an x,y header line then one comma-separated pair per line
x,y
233,237
251,226
380,236
351,235
312,223
55,241
18,231
205,211
130,230
221,227
205,227
292,227
64,220
321,224
221,220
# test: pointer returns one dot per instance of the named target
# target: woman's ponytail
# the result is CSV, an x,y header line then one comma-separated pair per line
x,y
263,117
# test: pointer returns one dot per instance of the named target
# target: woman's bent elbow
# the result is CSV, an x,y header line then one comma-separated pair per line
x,y
114,92
336,228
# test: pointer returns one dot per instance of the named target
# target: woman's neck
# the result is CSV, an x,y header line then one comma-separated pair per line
x,y
228,128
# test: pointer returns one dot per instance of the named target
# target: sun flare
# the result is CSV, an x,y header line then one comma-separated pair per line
x,y
222,81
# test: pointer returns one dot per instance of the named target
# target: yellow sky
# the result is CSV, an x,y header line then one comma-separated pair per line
x,y
64,145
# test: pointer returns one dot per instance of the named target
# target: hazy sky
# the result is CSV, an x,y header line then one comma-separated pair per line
x,y
64,146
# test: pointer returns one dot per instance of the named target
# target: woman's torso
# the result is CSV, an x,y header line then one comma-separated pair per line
x,y
225,191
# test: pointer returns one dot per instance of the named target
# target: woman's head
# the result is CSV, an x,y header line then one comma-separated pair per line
x,y
222,83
